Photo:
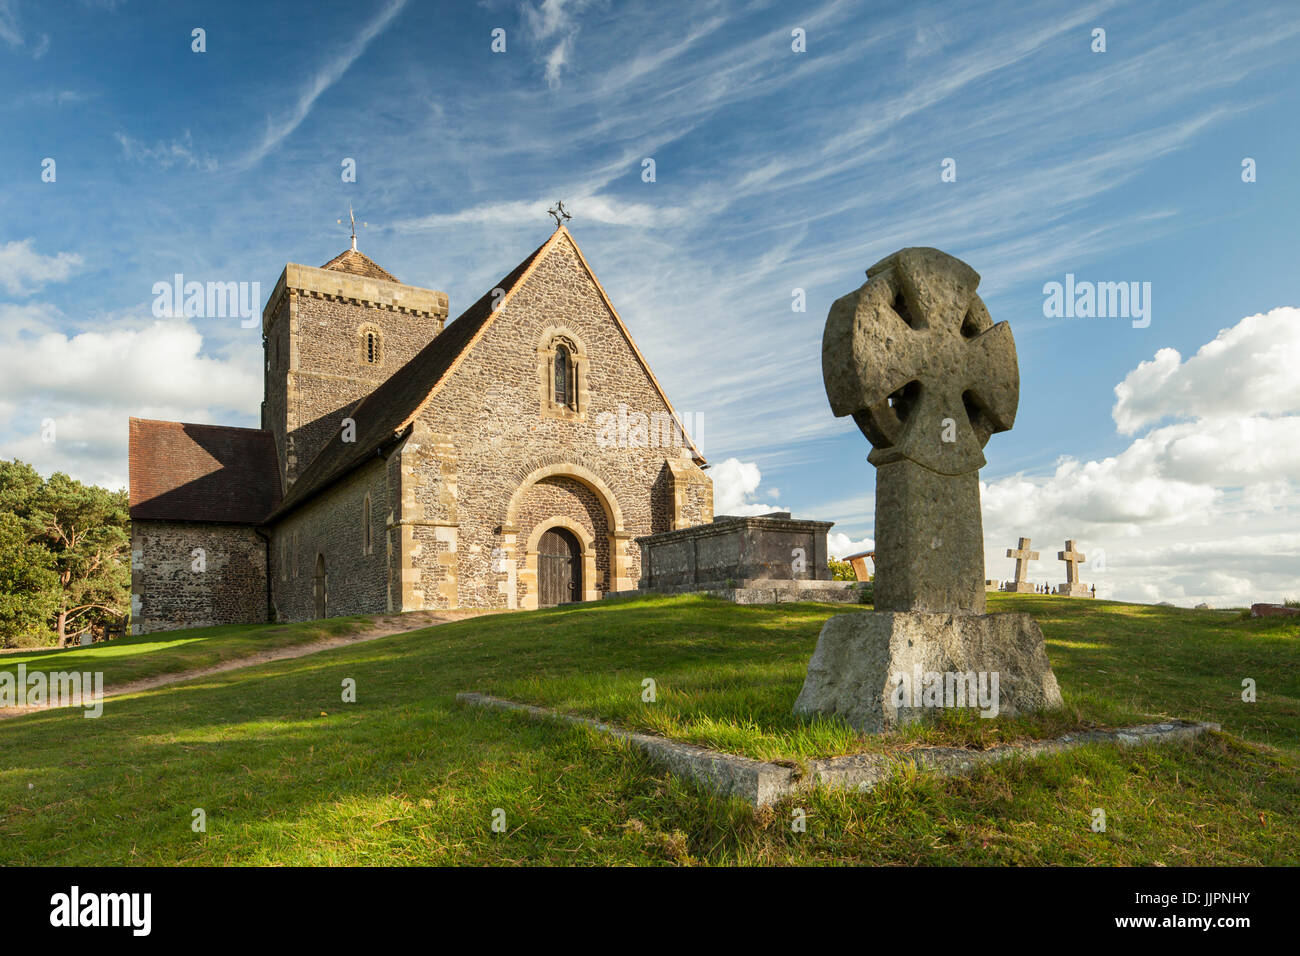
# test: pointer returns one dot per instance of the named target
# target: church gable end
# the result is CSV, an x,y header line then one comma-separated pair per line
x,y
504,403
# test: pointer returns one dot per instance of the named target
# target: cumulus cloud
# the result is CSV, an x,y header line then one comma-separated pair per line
x,y
65,397
735,483
157,364
840,545
1249,369
23,270
1190,511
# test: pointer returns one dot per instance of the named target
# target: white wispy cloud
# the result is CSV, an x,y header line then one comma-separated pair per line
x,y
9,26
553,22
280,127
23,270
166,154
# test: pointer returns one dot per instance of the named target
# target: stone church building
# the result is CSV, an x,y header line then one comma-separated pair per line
x,y
403,465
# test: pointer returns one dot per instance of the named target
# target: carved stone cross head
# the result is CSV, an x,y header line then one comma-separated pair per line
x,y
915,358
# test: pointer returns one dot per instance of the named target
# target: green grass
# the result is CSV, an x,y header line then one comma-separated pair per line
x,y
174,652
1117,663
288,774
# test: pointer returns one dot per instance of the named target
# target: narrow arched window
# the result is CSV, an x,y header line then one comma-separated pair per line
x,y
563,377
366,542
370,345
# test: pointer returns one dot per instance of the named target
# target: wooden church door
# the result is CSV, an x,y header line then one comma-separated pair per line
x,y
559,568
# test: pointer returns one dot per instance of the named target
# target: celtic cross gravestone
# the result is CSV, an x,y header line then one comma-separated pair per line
x,y
914,357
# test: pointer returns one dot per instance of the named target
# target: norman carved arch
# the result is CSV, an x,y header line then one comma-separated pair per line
x,y
579,473
513,549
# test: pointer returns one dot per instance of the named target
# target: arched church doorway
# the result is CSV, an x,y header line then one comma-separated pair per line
x,y
559,567
318,589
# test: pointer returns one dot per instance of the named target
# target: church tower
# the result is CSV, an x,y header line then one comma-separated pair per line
x,y
331,336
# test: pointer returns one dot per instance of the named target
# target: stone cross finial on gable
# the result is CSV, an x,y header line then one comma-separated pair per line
x,y
558,213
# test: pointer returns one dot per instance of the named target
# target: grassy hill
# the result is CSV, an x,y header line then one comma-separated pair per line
x,y
288,774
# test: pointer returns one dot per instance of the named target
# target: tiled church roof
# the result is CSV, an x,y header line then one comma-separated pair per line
x,y
183,472
387,411
359,264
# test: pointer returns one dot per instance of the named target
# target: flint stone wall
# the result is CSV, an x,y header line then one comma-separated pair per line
x,y
167,592
332,526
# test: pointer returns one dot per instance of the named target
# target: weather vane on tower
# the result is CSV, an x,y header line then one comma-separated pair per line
x,y
353,219
558,214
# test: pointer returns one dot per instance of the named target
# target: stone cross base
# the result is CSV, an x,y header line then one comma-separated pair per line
x,y
1074,590
854,672
1021,587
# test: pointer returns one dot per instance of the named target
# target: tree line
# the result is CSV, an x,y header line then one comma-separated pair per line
x,y
64,556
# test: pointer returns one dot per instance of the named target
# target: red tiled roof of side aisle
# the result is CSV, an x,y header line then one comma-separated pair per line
x,y
358,264
184,472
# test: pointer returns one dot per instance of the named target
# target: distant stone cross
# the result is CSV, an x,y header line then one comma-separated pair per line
x,y
915,358
1023,556
558,214
1072,561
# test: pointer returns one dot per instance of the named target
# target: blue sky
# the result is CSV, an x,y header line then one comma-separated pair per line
x,y
774,170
